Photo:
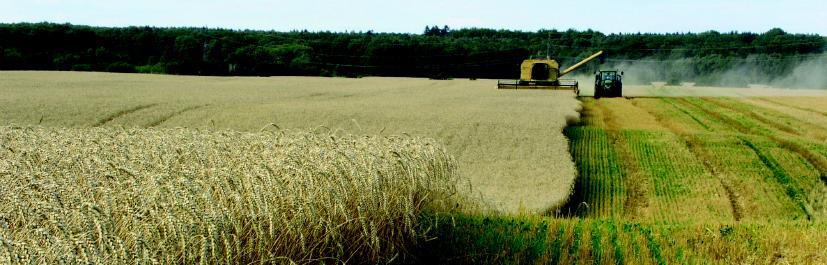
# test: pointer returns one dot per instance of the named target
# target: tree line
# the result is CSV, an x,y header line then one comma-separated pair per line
x,y
439,52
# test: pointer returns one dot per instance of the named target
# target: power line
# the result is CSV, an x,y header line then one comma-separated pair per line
x,y
448,41
692,60
494,62
723,48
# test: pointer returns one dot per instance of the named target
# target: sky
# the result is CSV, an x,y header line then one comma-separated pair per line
x,y
797,16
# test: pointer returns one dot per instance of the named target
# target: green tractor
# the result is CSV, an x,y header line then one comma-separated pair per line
x,y
608,84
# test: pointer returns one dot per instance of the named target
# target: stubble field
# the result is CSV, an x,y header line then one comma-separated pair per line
x,y
686,180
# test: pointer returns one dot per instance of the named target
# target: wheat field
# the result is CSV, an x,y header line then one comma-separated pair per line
x,y
507,143
121,196
396,170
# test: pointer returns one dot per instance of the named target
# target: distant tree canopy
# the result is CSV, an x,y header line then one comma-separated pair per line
x,y
479,53
436,31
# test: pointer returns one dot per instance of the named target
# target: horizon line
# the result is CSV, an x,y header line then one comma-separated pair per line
x,y
362,31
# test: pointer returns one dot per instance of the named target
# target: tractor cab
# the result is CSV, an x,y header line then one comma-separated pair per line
x,y
608,84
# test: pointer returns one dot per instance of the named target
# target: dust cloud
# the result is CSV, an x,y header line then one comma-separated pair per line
x,y
810,74
754,71
752,76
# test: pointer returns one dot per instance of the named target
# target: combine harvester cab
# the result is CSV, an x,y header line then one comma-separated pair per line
x,y
545,74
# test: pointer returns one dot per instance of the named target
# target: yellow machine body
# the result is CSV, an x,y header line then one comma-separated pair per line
x,y
548,69
545,74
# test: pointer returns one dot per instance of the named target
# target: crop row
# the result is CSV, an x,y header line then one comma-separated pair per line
x,y
599,189
542,240
707,170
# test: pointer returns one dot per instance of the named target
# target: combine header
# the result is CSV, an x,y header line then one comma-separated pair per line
x,y
545,74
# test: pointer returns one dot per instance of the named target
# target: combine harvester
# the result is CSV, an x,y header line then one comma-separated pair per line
x,y
545,74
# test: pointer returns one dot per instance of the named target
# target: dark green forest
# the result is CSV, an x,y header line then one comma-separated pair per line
x,y
439,52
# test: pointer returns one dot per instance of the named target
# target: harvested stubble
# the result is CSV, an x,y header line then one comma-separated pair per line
x,y
660,89
117,196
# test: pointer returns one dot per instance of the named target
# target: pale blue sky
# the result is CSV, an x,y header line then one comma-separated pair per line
x,y
802,16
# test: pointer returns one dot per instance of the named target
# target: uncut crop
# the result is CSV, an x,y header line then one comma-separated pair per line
x,y
117,196
508,143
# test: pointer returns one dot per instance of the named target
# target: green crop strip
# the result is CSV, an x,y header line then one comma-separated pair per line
x,y
684,111
654,247
652,154
597,247
794,106
577,237
557,246
750,113
630,230
473,239
793,191
599,189
616,245
747,125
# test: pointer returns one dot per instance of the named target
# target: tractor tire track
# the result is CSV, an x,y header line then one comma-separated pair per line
x,y
792,106
816,160
793,191
173,114
805,127
121,113
684,111
755,116
634,178
695,147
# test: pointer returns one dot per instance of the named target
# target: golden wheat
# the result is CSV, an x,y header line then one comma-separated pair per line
x,y
508,143
118,196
